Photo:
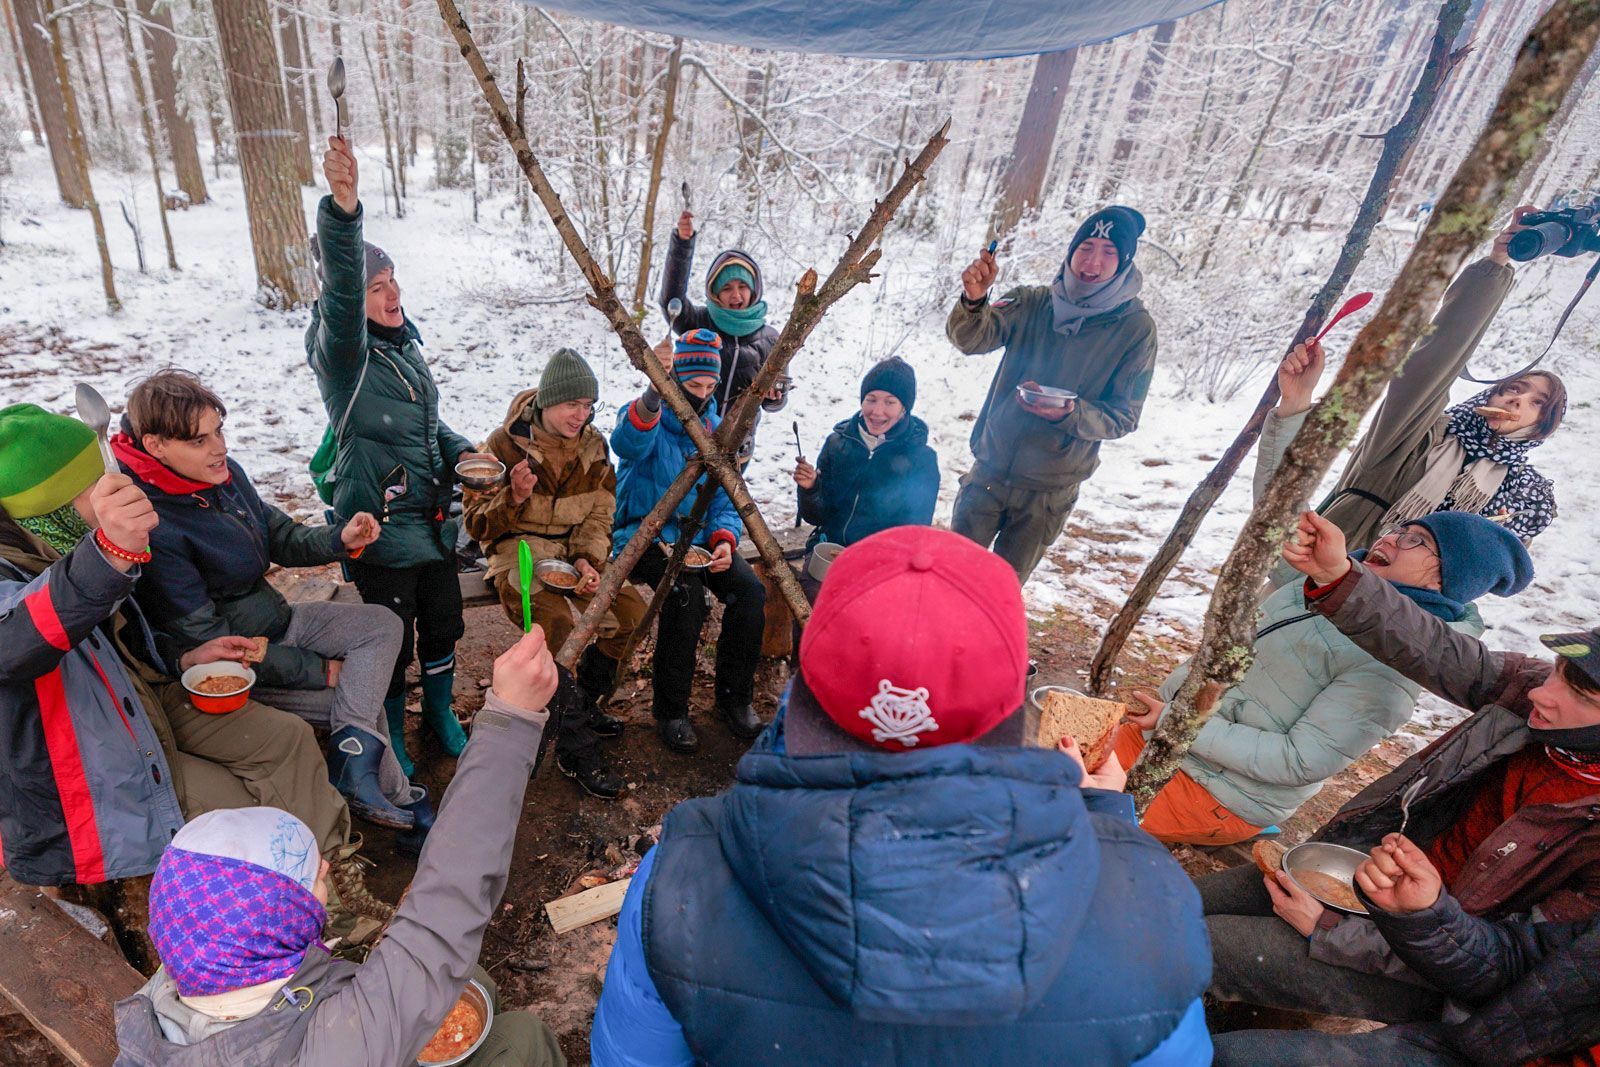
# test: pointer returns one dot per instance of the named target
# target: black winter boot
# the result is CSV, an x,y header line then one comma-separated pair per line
x,y
597,677
592,774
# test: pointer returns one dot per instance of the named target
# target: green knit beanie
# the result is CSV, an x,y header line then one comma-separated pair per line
x,y
566,377
45,460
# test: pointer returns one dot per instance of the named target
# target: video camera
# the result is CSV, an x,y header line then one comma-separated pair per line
x,y
1567,232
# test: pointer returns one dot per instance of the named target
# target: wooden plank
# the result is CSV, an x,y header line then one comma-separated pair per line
x,y
59,977
589,906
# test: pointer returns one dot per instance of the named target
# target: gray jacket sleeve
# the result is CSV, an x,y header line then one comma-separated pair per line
x,y
1394,630
1355,944
414,976
1276,437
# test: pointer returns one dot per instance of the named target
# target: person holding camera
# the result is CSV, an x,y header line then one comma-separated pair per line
x,y
1422,455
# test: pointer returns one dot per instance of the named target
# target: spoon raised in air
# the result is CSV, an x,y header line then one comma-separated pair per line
x,y
336,89
96,414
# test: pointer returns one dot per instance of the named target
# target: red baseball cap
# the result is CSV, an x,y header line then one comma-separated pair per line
x,y
918,639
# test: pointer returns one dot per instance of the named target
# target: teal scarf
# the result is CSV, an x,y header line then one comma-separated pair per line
x,y
62,529
741,322
1430,600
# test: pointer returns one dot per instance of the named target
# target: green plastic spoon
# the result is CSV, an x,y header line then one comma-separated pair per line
x,y
525,571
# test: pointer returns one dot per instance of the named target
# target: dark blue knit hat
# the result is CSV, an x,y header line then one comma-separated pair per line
x,y
895,377
1477,556
697,354
1122,226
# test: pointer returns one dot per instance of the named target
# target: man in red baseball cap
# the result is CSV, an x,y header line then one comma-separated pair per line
x,y
893,878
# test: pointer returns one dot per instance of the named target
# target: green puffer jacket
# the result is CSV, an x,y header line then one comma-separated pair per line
x,y
394,436
1109,363
1311,705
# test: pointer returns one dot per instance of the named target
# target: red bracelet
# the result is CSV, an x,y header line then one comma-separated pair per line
x,y
117,552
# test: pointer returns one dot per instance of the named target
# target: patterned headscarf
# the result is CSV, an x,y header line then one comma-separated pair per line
x,y
1527,495
231,903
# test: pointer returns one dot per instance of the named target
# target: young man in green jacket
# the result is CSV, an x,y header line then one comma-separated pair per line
x,y
396,457
1087,333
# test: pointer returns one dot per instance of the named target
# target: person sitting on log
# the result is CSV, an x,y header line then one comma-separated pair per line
x,y
1504,804
1523,988
652,448
734,310
1086,333
237,903
105,756
875,469
893,878
559,497
1313,702
1422,454
328,663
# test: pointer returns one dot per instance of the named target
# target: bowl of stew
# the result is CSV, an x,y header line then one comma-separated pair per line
x,y
218,688
463,1030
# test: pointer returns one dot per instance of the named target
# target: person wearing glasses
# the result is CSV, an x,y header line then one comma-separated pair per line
x,y
1313,702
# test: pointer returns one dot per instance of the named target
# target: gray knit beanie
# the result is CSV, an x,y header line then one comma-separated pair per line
x,y
566,377
378,260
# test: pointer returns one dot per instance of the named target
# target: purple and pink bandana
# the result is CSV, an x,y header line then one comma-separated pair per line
x,y
222,924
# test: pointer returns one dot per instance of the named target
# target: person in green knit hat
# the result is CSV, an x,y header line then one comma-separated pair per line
x,y
105,756
559,497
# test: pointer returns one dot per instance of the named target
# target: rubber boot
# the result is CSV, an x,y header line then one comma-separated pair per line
x,y
394,709
421,810
437,713
353,756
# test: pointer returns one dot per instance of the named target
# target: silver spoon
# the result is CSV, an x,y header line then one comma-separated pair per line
x,y
1405,802
96,415
336,88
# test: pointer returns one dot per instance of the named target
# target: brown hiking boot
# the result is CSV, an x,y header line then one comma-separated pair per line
x,y
350,898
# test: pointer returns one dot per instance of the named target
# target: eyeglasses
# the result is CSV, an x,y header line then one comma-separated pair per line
x,y
1407,537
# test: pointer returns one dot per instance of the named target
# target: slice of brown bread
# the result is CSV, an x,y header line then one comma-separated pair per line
x,y
1268,856
257,654
1090,721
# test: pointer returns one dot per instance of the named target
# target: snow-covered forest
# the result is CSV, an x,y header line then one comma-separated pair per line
x,y
1245,133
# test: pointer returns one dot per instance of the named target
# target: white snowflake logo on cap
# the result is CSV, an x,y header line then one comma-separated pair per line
x,y
899,714
1102,229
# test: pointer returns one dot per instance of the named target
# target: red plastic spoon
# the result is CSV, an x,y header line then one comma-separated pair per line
x,y
1351,306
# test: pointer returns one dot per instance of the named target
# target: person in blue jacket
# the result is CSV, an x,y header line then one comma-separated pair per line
x,y
652,448
875,469
892,878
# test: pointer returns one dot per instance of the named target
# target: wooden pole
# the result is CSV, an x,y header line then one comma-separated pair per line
x,y
1547,65
658,159
1397,145
854,268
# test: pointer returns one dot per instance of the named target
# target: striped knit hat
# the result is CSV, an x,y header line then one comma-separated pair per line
x,y
45,460
697,354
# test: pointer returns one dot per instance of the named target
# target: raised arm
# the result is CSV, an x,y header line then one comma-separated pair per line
x,y
411,980
675,277
340,323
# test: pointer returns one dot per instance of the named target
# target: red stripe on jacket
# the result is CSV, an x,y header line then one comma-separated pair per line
x,y
42,610
640,422
72,784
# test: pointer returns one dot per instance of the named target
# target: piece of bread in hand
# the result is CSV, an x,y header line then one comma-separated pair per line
x,y
1090,721
256,654
1268,856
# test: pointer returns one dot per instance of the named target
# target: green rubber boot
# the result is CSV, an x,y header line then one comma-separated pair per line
x,y
394,709
437,697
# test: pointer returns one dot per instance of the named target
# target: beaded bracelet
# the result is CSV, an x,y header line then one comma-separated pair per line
x,y
118,552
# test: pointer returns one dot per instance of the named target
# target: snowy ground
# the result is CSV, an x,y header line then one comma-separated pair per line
x,y
494,299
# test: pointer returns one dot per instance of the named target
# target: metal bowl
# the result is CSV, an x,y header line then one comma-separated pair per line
x,y
697,559
547,567
480,473
479,997
1036,694
1336,861
822,557
1046,396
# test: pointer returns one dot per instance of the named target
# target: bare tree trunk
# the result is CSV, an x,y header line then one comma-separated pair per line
x,y
854,268
1022,184
105,81
80,154
1547,65
294,92
1397,145
47,90
1144,88
161,51
658,159
395,112
83,65
28,101
388,135
148,125
268,153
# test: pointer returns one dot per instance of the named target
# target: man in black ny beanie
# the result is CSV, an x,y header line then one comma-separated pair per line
x,y
1090,342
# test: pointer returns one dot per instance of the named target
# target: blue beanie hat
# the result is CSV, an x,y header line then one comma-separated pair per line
x,y
1122,226
697,354
1477,556
895,377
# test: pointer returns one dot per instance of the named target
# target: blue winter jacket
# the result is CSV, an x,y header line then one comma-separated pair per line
x,y
954,905
651,448
858,493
